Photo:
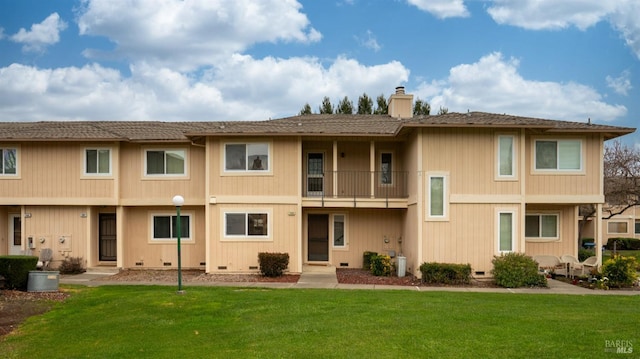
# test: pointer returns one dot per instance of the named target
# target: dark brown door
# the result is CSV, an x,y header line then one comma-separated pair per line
x,y
107,237
318,238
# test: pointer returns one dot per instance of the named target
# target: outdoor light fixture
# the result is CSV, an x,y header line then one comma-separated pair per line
x,y
178,201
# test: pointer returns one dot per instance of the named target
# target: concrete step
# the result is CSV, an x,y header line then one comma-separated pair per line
x,y
318,268
103,270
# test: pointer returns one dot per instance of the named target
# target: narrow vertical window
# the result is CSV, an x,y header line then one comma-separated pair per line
x,y
505,231
436,196
386,168
338,230
505,156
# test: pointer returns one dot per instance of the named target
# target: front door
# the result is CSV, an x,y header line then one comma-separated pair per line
x,y
15,234
318,238
107,237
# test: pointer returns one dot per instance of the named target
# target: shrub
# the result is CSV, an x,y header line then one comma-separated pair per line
x,y
513,270
273,264
445,273
381,265
366,259
72,265
623,244
621,271
584,254
15,270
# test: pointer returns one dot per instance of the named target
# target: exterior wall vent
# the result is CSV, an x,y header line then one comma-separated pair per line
x,y
139,263
222,267
253,267
342,264
167,264
480,272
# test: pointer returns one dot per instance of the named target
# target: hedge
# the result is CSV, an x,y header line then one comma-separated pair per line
x,y
15,270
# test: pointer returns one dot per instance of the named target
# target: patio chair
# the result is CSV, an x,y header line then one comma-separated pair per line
x,y
591,262
551,263
46,255
575,266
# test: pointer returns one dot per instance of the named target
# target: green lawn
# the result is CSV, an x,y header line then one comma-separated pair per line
x,y
221,322
607,255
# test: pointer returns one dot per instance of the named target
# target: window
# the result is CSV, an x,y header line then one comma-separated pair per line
x,y
338,230
505,231
541,226
506,157
246,157
386,168
165,162
8,161
165,227
249,224
617,227
437,193
97,161
565,155
637,226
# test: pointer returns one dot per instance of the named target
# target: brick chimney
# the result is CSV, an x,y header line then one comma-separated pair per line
x,y
400,104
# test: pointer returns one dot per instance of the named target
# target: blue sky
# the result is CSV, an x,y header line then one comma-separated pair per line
x,y
250,60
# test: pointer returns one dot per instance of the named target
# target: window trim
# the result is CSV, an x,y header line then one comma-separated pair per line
x,y
548,171
145,173
97,174
445,195
626,225
514,229
345,226
540,238
224,237
170,214
246,172
10,175
514,157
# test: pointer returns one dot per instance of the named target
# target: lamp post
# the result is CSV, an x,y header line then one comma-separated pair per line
x,y
178,201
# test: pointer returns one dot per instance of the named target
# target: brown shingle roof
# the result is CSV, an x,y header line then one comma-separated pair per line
x,y
309,125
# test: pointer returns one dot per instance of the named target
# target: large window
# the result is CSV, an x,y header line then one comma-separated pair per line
x,y
505,231
561,155
437,194
543,226
506,156
165,227
8,161
243,157
617,227
246,224
165,162
386,168
97,161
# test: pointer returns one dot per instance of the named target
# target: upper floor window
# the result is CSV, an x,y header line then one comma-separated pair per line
x,y
558,155
437,197
242,157
542,226
506,156
165,162
8,161
97,161
386,168
165,227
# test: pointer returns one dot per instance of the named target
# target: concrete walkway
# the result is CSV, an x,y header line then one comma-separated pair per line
x,y
326,279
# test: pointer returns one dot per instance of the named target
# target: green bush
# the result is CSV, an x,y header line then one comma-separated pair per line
x,y
381,265
513,270
621,271
273,264
584,254
623,244
445,273
366,259
72,265
15,270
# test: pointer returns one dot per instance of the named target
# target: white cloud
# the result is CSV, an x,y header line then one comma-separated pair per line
x,y
620,84
370,42
188,34
442,8
41,35
241,88
625,20
493,84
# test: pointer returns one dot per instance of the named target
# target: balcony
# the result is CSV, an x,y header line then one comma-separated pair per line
x,y
374,189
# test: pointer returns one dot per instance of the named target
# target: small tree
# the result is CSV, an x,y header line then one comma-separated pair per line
x,y
421,108
345,106
326,107
443,111
365,105
382,106
306,109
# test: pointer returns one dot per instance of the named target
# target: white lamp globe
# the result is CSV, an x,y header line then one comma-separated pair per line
x,y
178,201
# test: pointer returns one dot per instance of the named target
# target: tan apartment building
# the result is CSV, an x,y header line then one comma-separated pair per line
x,y
457,188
